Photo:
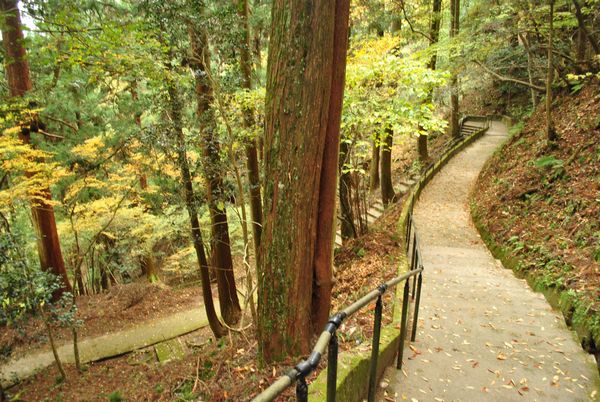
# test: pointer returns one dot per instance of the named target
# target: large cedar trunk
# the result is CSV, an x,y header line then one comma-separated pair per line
x,y
190,201
19,83
251,147
303,107
387,187
213,167
454,27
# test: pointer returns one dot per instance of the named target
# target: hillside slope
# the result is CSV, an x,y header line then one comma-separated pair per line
x,y
540,207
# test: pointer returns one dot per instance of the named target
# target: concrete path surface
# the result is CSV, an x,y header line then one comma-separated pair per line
x,y
483,334
109,345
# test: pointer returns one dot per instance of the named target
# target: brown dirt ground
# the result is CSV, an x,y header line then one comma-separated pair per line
x,y
362,264
122,306
549,216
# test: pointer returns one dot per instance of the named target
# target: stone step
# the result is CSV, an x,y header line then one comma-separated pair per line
x,y
378,206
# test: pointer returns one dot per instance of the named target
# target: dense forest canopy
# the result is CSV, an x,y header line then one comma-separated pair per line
x,y
200,140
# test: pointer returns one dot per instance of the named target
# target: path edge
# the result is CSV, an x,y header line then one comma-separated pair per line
x,y
557,299
353,368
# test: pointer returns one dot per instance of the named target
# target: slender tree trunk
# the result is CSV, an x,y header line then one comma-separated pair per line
x,y
76,349
434,34
550,130
387,188
345,189
582,27
190,202
374,168
256,40
147,263
303,107
251,147
527,46
434,30
213,168
454,28
50,334
422,147
19,83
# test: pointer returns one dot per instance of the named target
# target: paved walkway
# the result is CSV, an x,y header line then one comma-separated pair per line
x,y
109,345
483,334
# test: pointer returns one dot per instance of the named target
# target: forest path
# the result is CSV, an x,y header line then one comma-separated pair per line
x,y
483,335
109,345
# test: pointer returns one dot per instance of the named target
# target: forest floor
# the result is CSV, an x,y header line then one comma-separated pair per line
x,y
539,202
361,265
483,334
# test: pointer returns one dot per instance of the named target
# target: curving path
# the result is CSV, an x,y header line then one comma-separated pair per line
x,y
484,335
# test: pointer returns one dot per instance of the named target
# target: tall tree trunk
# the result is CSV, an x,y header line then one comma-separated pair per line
x,y
454,27
422,147
256,40
434,34
387,188
19,83
213,168
251,147
147,262
582,27
190,203
434,30
550,130
303,106
345,189
525,40
323,263
374,179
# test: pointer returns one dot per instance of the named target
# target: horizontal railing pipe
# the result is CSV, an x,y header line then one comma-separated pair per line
x,y
299,373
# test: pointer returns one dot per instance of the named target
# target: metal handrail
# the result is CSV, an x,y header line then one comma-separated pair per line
x,y
328,338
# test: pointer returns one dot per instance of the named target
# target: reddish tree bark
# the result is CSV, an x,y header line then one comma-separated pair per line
x,y
19,83
323,279
304,97
212,166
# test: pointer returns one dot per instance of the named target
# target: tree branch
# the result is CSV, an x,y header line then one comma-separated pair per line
x,y
509,79
65,123
54,136
410,23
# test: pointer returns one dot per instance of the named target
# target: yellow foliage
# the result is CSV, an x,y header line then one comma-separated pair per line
x,y
90,149
30,172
